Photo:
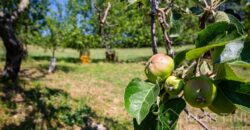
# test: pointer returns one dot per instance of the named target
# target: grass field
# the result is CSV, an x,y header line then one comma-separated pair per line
x,y
61,99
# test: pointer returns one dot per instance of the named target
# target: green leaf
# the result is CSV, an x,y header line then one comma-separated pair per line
x,y
235,86
214,36
169,113
197,52
176,15
139,97
245,54
222,16
240,100
237,23
149,123
215,33
179,58
231,51
236,71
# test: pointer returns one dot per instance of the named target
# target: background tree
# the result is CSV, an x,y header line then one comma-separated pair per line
x,y
78,30
9,13
54,32
31,23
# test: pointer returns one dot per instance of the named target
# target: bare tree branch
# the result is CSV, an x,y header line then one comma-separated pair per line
x,y
203,19
153,26
205,2
196,119
162,20
188,69
102,19
162,17
206,114
103,22
168,41
106,13
198,71
21,7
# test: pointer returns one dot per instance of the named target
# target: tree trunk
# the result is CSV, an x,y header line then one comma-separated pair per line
x,y
14,50
52,65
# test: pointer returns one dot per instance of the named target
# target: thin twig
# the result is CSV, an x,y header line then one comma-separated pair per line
x,y
188,69
206,114
219,4
196,119
205,1
165,34
162,17
168,41
162,20
211,75
198,71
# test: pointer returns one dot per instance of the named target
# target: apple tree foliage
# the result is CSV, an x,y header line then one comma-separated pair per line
x,y
221,54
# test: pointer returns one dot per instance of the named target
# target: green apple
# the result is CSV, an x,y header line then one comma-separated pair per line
x,y
173,85
222,105
200,92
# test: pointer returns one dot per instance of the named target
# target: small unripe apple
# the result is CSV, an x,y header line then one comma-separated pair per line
x,y
173,85
159,67
222,105
200,92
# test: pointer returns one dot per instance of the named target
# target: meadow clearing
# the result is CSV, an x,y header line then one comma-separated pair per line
x,y
60,100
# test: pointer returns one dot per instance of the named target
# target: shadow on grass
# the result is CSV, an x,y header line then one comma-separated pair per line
x,y
135,60
42,107
138,59
48,58
33,73
76,60
61,67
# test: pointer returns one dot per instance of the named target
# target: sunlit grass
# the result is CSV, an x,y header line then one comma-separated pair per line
x,y
99,84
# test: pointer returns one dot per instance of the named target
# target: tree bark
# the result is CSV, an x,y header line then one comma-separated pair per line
x,y
52,65
203,19
164,26
14,50
153,26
